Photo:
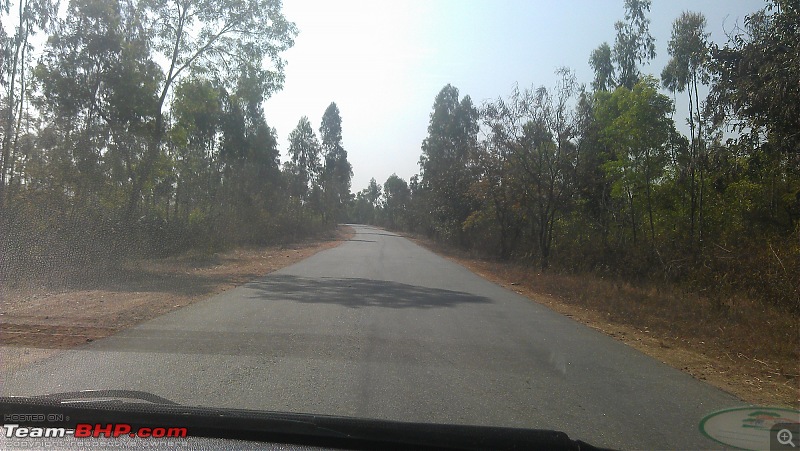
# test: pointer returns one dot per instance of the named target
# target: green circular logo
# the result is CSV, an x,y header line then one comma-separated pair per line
x,y
747,427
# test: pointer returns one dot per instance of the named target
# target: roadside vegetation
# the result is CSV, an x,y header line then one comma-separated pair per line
x,y
596,197
136,129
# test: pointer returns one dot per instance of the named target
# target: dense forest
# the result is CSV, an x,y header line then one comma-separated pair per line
x,y
602,181
136,129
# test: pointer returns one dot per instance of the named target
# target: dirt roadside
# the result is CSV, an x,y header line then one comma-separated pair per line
x,y
38,322
760,381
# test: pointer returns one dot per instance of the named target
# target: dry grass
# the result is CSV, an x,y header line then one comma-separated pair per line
x,y
746,348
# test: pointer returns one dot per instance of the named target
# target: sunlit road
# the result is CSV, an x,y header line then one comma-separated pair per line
x,y
379,327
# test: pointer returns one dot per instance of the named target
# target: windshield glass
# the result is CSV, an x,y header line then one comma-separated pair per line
x,y
579,216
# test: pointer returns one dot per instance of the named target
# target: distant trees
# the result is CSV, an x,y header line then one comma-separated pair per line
x,y
367,205
373,193
397,197
319,172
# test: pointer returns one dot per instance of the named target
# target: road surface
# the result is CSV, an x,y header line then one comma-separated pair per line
x,y
380,327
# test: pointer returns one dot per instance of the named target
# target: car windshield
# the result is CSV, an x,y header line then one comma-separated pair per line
x,y
576,216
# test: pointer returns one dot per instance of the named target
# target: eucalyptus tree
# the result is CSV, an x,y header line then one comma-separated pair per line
x,y
633,45
196,112
96,93
16,55
445,162
220,39
603,66
337,171
755,77
304,155
246,164
373,193
686,70
396,198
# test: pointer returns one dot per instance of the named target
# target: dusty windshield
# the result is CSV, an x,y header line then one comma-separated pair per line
x,y
578,216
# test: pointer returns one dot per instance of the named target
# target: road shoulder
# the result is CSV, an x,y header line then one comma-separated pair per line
x,y
39,322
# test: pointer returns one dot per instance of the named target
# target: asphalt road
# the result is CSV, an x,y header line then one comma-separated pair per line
x,y
379,327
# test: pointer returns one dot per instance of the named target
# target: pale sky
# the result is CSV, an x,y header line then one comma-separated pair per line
x,y
383,61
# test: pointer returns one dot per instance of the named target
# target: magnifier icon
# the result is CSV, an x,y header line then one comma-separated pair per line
x,y
785,437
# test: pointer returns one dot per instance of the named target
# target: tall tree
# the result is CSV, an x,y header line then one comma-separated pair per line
x,y
98,87
534,131
15,58
755,77
221,38
634,44
637,125
197,111
445,161
373,193
396,195
756,89
601,62
337,171
686,71
304,154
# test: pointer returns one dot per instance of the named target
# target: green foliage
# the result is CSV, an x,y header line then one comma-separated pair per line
x,y
397,197
604,182
686,70
337,171
15,61
756,79
304,154
144,133
373,193
634,44
527,166
688,49
603,67
445,162
636,127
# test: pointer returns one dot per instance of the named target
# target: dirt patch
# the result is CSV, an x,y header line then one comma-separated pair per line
x,y
753,356
35,321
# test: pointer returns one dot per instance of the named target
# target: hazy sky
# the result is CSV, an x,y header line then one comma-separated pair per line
x,y
384,61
